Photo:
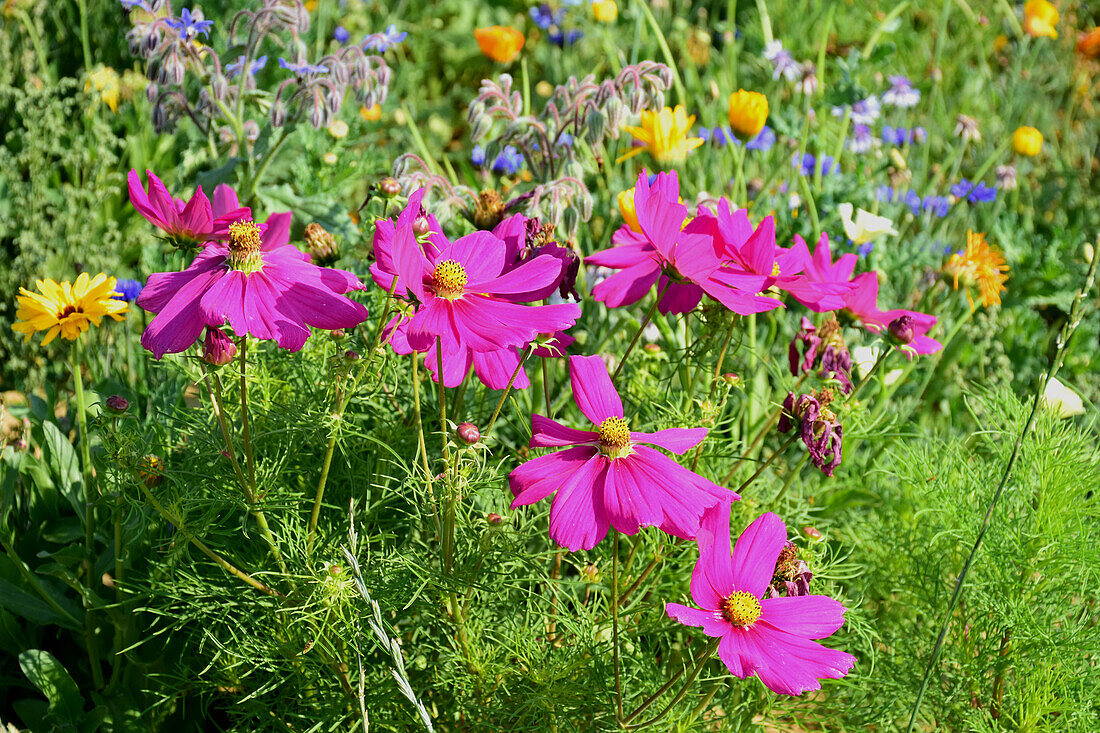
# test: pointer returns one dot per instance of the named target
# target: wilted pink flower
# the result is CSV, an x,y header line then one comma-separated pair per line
x,y
819,427
257,282
217,348
769,637
608,477
825,346
190,223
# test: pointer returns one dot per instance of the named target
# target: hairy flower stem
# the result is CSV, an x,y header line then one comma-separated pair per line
x,y
641,328
1062,343
88,481
221,561
701,662
504,396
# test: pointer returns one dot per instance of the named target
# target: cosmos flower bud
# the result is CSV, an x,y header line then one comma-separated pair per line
x,y
812,532
731,379
748,111
217,348
389,187
901,329
1027,141
494,519
337,334
468,433
117,404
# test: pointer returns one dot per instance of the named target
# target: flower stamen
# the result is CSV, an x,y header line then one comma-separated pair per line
x,y
449,279
244,246
615,437
741,608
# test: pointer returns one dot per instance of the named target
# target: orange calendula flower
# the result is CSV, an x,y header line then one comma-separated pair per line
x,y
1040,19
981,265
1088,45
499,42
664,134
371,113
748,113
67,308
1027,141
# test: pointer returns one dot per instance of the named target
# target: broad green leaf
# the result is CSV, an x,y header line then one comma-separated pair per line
x,y
65,467
47,674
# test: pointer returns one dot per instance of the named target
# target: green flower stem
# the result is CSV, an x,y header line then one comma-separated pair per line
x,y
444,432
790,480
615,623
641,328
36,40
84,45
701,662
819,167
763,431
90,496
790,439
504,395
662,43
421,445
280,138
871,374
32,580
1063,342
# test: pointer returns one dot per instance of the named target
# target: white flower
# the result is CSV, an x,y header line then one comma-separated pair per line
x,y
865,358
866,226
1062,399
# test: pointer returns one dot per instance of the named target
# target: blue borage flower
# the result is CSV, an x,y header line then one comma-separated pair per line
x,y
899,136
127,290
340,34
976,192
508,162
188,26
302,68
254,67
384,41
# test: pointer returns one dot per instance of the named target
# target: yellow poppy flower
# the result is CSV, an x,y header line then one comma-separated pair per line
x,y
1040,18
1027,141
664,134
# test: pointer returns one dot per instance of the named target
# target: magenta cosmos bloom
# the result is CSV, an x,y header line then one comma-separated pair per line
x,y
769,637
609,477
190,223
862,303
260,284
681,260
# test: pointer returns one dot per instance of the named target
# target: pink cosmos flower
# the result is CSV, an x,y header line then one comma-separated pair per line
x,y
193,222
682,260
862,302
609,477
769,637
262,285
462,292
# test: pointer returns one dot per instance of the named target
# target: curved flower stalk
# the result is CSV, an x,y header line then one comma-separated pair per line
x,y
610,477
258,282
761,634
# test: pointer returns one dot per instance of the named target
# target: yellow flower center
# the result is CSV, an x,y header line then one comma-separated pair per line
x,y
741,608
615,437
449,279
244,246
775,270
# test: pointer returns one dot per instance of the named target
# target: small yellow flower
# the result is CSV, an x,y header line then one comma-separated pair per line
x,y
1040,18
982,265
105,80
338,129
664,134
748,113
1000,43
499,42
372,113
1027,141
67,308
626,208
606,11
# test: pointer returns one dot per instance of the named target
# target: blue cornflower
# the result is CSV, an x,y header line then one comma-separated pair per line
x,y
865,249
254,68
938,205
544,17
912,200
721,136
884,193
382,42
808,164
188,26
301,69
861,140
764,140
976,192
703,133
567,38
340,34
901,93
127,290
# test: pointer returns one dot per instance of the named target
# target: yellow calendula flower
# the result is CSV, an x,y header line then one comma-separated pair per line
x,y
981,265
626,208
748,113
67,308
106,81
499,42
1040,18
664,134
1027,141
370,114
605,11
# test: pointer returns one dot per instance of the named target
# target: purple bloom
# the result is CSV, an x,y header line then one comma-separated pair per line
x,y
792,575
301,69
127,290
901,93
131,4
976,192
254,67
721,136
545,17
884,193
382,42
819,427
938,205
764,139
912,200
703,133
808,164
781,59
567,38
865,249
188,26
508,162
825,347
864,112
340,34
861,140
477,156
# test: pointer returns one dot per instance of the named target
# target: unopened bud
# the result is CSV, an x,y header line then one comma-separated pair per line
x,y
731,379
494,519
217,348
901,329
337,334
812,532
468,433
421,226
652,348
117,404
350,356
389,187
